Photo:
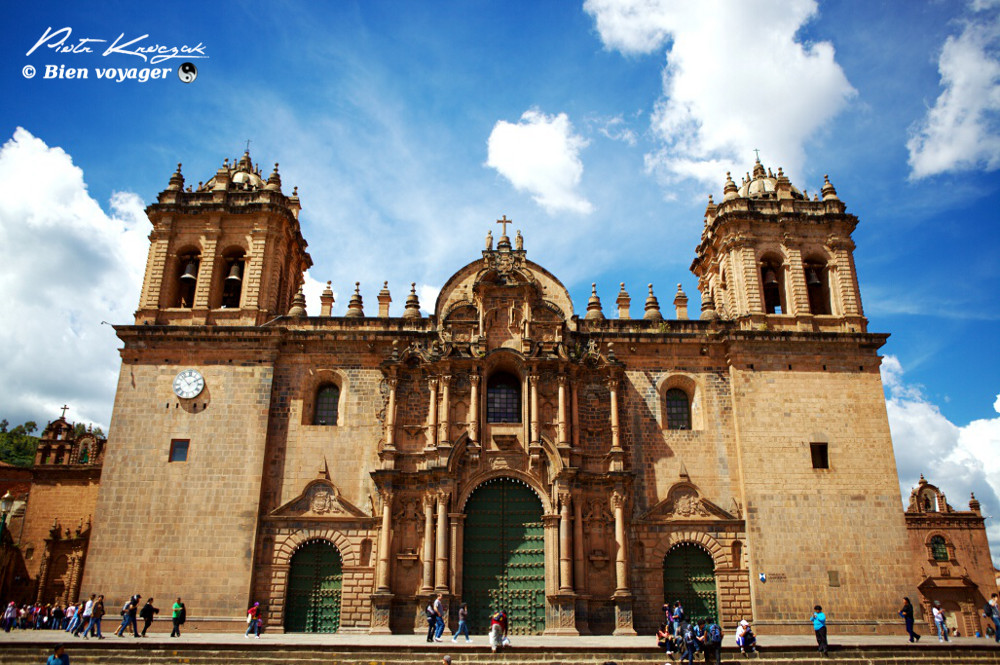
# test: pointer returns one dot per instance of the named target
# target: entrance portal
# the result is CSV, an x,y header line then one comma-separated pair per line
x,y
314,579
504,557
689,576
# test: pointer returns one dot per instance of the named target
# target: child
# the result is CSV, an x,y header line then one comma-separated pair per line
x,y
745,639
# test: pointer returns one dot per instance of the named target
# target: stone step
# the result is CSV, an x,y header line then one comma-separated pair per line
x,y
262,654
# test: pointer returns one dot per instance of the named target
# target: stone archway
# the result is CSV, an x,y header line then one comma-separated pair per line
x,y
504,556
313,597
689,576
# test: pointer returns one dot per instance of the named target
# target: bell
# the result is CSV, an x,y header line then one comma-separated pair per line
x,y
190,272
235,273
812,277
770,279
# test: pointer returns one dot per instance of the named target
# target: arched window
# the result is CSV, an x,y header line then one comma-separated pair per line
x,y
503,399
327,399
939,549
187,279
232,280
818,287
772,279
678,409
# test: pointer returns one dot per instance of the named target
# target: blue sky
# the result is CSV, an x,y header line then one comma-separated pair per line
x,y
600,128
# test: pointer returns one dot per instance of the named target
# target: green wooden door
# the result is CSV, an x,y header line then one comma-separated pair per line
x,y
689,576
504,557
314,580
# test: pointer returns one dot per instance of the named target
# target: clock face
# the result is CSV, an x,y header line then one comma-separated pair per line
x,y
189,383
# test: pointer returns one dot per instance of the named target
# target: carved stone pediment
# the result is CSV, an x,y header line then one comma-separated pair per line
x,y
322,500
684,502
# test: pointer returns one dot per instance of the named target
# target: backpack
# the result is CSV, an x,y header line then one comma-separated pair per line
x,y
429,611
688,634
714,633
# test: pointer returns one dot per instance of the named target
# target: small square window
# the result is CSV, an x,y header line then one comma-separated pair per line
x,y
820,455
179,450
834,576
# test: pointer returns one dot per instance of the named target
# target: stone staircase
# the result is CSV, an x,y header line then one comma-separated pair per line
x,y
34,653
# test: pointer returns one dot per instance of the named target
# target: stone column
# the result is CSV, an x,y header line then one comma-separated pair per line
x,y
441,572
565,546
390,414
551,530
615,436
563,434
474,408
206,270
384,543
576,417
455,540
445,437
73,592
428,579
578,553
533,382
621,565
432,414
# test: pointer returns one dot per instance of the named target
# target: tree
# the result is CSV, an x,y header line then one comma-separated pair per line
x,y
17,446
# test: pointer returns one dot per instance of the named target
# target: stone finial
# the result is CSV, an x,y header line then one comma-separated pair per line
x,y
326,301
355,307
652,307
782,185
412,310
519,241
829,193
594,312
274,181
489,240
623,301
973,502
681,304
295,191
729,190
708,312
383,300
176,183
298,308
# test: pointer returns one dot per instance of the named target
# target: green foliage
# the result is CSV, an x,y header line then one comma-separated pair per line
x,y
17,446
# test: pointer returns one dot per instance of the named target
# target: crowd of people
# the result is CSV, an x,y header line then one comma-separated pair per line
x,y
84,619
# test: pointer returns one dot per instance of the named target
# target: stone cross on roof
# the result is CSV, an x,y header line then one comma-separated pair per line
x,y
504,221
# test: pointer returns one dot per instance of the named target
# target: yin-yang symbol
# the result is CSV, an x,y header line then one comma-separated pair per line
x,y
187,72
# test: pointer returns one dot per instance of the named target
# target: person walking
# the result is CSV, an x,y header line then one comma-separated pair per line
x,y
907,613
147,613
431,615
71,617
677,617
991,611
253,621
88,611
178,618
713,643
59,656
439,617
463,624
687,635
498,630
819,626
96,614
940,622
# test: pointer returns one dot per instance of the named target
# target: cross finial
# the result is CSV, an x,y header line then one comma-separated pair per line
x,y
248,145
504,221
64,410
757,152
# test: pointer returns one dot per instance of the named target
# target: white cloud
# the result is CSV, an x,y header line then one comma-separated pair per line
x,y
736,79
68,265
616,129
962,130
541,155
958,459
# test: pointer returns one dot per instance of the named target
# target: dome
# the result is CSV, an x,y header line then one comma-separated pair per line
x,y
242,175
763,184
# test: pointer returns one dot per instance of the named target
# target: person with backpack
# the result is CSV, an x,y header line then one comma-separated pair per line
x,y
713,643
665,639
431,614
253,621
129,610
991,612
699,636
687,635
819,626
147,613
677,617
498,630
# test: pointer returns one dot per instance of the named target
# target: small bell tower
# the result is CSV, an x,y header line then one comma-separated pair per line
x,y
770,257
227,252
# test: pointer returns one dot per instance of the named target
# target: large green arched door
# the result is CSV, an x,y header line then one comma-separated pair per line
x,y
504,557
689,576
314,580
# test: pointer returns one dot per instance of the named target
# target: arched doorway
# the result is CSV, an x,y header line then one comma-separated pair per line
x,y
315,576
504,557
689,576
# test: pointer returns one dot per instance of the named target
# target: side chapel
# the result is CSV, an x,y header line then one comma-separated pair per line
x,y
575,469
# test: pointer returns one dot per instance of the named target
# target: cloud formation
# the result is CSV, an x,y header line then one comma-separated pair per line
x,y
541,155
958,459
962,130
68,265
736,78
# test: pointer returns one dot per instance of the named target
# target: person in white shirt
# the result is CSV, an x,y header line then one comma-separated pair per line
x,y
940,621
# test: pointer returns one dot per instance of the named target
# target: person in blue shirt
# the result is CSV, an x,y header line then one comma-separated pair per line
x,y
819,625
59,656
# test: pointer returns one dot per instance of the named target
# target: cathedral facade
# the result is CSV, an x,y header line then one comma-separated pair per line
x,y
578,470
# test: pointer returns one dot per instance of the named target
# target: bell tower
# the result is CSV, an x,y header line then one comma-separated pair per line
x,y
229,252
771,257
